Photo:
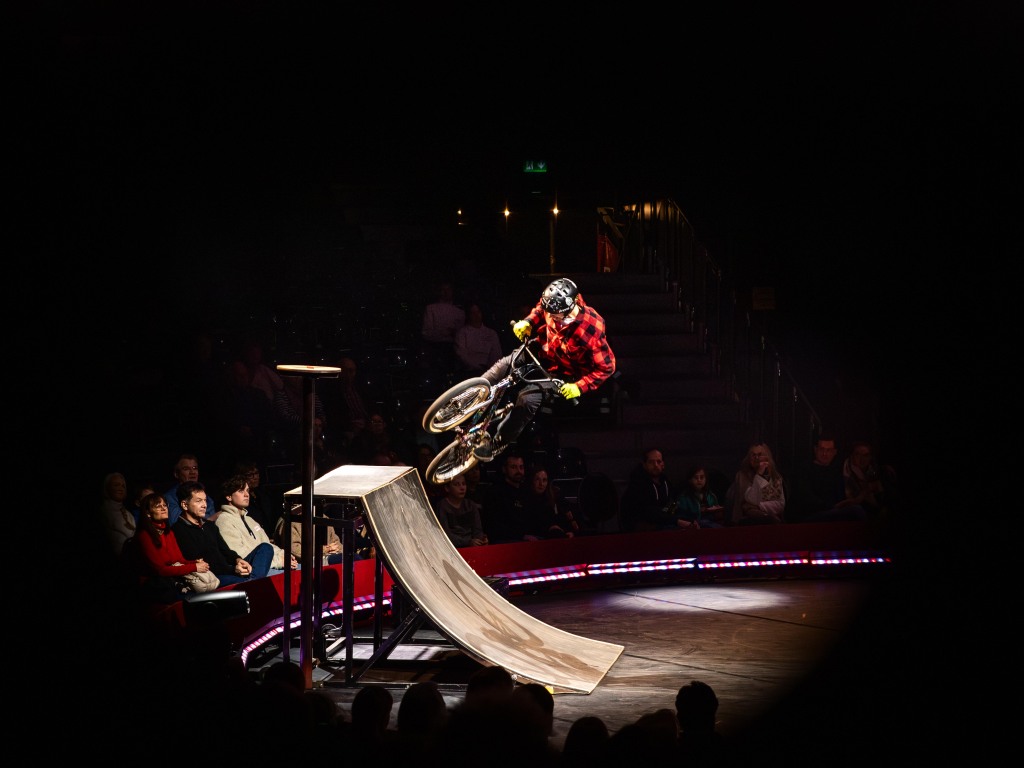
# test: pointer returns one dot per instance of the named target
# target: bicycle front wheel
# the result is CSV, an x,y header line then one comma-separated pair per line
x,y
456,405
454,459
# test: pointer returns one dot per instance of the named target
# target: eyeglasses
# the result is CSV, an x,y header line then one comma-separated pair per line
x,y
193,468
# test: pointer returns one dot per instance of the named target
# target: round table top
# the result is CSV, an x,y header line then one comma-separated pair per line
x,y
309,370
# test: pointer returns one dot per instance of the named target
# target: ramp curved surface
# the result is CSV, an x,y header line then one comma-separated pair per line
x,y
419,556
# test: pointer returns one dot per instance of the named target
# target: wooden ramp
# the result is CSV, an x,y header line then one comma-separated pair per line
x,y
487,627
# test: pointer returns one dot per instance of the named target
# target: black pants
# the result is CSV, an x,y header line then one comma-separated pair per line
x,y
528,399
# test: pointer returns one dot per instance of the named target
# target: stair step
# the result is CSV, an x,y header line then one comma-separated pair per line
x,y
686,363
646,322
614,306
629,344
698,411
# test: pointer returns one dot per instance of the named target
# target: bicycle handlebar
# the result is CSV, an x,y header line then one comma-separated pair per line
x,y
524,347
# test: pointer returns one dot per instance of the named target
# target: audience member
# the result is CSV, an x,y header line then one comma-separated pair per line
x,y
460,517
185,468
757,495
371,738
867,484
477,346
489,683
247,418
137,494
586,743
242,534
375,439
332,552
648,502
347,403
476,488
697,505
425,454
160,562
821,489
549,517
258,373
265,507
503,513
290,415
700,743
506,729
200,539
118,520
537,699
422,713
441,319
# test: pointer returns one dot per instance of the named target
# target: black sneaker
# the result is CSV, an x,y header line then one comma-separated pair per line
x,y
487,450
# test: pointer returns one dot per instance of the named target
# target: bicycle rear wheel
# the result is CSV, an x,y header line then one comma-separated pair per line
x,y
456,405
454,459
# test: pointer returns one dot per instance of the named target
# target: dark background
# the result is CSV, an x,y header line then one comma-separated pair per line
x,y
862,159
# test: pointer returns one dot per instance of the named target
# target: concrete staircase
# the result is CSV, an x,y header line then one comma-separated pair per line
x,y
667,393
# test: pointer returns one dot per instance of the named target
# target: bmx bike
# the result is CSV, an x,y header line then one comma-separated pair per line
x,y
472,407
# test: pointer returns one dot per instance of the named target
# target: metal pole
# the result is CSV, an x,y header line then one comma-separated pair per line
x,y
309,374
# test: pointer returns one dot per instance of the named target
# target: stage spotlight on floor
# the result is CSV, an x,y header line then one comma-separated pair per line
x,y
213,607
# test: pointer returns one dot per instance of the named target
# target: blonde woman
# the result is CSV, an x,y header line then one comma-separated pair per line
x,y
757,495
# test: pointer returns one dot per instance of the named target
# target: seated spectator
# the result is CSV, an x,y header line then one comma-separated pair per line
x,y
503,511
460,517
370,735
372,441
441,319
648,503
247,420
867,484
243,534
586,743
347,403
185,468
422,713
159,560
138,492
477,346
201,539
289,410
697,505
332,552
757,495
264,507
257,373
700,743
549,516
820,488
425,454
118,520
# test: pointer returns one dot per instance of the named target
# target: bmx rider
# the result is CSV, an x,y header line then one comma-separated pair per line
x,y
572,347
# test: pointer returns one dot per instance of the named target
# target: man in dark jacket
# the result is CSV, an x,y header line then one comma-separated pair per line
x,y
648,502
197,538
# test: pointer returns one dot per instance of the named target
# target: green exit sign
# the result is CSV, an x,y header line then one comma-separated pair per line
x,y
535,166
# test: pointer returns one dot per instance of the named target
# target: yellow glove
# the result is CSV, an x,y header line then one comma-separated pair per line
x,y
570,391
522,329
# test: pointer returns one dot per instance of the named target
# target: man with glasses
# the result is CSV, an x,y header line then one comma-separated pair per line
x,y
186,468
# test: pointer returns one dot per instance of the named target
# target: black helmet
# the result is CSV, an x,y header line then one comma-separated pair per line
x,y
560,296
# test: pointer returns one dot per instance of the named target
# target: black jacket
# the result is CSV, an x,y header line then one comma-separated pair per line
x,y
206,542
